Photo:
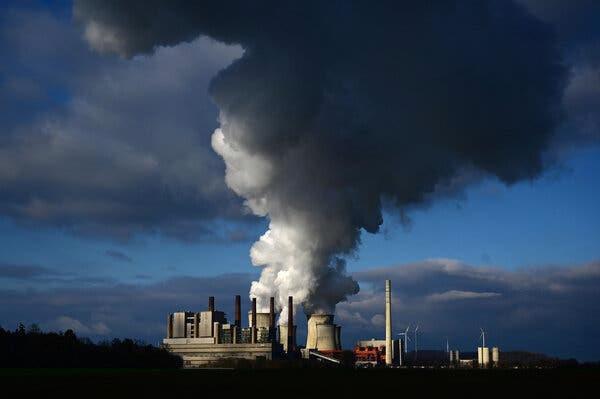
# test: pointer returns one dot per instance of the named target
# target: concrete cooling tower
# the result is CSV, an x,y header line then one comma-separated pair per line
x,y
323,335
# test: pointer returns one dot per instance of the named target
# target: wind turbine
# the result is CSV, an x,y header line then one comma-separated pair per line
x,y
406,338
482,336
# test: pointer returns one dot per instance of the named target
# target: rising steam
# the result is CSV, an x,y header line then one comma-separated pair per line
x,y
339,109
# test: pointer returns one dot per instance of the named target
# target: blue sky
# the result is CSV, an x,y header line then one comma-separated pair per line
x,y
108,185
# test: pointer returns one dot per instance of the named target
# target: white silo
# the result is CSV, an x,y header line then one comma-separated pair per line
x,y
495,355
486,356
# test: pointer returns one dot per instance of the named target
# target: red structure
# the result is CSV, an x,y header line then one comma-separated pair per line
x,y
369,356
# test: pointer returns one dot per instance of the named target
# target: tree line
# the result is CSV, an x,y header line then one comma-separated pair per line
x,y
31,347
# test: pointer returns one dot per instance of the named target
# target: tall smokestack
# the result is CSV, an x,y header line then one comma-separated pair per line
x,y
211,303
253,320
388,322
272,312
290,327
238,311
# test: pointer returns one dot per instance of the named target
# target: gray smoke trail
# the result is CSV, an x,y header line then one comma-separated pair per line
x,y
337,109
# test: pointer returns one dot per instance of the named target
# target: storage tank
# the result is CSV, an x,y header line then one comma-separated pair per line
x,y
480,355
495,355
486,356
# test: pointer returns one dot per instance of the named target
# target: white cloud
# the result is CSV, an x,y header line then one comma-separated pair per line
x,y
454,295
63,323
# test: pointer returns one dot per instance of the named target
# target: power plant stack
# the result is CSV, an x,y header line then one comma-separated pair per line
x,y
287,336
388,323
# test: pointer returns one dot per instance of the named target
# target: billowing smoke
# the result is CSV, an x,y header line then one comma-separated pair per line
x,y
339,109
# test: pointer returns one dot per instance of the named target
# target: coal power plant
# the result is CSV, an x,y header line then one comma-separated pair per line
x,y
206,338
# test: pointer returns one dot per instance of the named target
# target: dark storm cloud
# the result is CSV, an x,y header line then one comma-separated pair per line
x,y
337,109
118,255
577,24
99,145
546,309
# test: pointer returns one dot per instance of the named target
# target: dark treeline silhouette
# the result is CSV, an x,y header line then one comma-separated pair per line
x,y
33,348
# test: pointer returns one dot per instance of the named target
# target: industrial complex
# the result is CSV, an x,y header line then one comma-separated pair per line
x,y
207,337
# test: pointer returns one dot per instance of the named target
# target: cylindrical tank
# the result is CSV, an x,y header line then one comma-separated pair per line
x,y
495,355
312,337
486,356
480,355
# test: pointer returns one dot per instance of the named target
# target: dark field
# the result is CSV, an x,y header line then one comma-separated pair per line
x,y
298,382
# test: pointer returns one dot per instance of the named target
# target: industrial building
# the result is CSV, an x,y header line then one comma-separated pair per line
x,y
372,352
205,337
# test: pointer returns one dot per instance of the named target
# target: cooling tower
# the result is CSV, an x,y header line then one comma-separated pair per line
x,y
322,333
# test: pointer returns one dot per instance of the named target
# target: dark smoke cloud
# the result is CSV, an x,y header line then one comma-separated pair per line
x,y
338,109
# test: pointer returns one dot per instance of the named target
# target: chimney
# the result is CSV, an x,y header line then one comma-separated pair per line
x,y
253,320
211,303
388,322
238,311
290,328
272,312
272,319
